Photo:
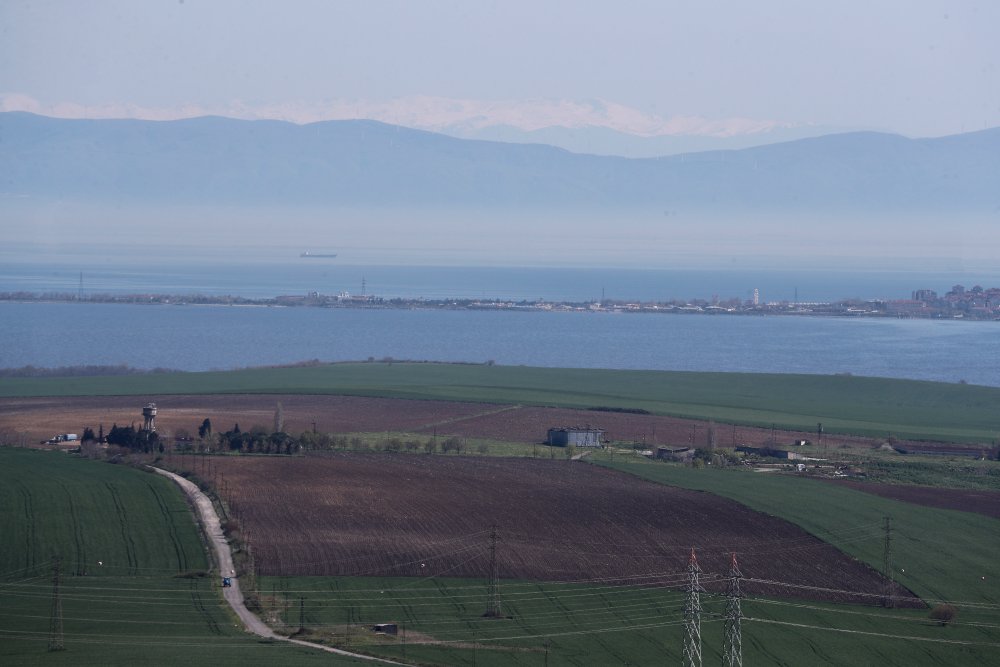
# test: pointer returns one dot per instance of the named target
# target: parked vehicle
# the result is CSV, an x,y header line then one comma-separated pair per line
x,y
62,437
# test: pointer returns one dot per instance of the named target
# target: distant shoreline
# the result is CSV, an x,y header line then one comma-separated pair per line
x,y
940,309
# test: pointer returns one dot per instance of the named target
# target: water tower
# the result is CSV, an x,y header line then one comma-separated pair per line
x,y
149,418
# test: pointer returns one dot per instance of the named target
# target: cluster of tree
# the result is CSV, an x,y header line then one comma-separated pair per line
x,y
259,440
132,439
30,371
719,458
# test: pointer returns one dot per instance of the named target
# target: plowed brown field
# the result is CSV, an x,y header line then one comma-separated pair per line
x,y
986,503
35,419
351,514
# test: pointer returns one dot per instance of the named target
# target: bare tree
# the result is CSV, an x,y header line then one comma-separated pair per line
x,y
943,613
279,418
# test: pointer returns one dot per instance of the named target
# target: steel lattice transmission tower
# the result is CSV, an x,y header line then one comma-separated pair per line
x,y
692,615
732,655
56,620
890,584
493,594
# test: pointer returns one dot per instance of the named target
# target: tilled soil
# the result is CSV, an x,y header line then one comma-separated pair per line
x,y
986,503
378,514
31,420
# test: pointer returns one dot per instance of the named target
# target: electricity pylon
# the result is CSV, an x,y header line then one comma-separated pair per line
x,y
692,615
493,594
56,620
890,588
732,655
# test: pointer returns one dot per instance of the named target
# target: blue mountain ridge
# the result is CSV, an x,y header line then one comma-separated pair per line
x,y
213,160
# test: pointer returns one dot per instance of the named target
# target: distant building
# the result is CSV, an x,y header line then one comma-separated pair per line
x,y
925,295
578,437
149,418
674,453
770,452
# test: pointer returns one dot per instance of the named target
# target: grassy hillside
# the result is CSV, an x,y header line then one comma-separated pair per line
x,y
126,539
88,511
867,406
938,554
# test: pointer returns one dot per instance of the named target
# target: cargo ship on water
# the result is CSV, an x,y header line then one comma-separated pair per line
x,y
317,255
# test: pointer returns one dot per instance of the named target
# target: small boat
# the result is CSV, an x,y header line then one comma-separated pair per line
x,y
316,254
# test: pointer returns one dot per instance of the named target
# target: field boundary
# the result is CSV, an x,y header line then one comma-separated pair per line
x,y
868,406
211,524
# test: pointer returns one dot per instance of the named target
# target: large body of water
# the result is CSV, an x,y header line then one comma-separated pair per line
x,y
207,337
221,337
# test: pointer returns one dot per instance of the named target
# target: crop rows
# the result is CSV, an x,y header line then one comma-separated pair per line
x,y
397,515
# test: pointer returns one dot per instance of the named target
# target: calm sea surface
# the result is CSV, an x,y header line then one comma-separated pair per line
x,y
210,337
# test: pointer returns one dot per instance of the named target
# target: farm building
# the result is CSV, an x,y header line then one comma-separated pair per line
x,y
578,437
769,452
674,453
385,628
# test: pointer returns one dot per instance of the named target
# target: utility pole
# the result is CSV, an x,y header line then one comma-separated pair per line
x,y
249,564
692,615
56,620
302,614
890,587
732,655
493,594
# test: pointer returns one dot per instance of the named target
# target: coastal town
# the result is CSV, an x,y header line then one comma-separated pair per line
x,y
975,303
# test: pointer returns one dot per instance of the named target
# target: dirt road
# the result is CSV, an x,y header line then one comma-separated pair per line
x,y
212,527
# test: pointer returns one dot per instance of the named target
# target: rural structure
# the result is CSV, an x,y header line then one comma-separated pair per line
x,y
149,418
578,437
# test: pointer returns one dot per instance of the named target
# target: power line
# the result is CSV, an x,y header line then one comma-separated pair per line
x,y
56,619
960,642
692,616
887,601
493,595
732,654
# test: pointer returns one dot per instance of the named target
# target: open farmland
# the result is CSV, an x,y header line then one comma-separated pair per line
x,y
986,503
940,554
613,623
39,418
133,585
31,420
402,515
853,405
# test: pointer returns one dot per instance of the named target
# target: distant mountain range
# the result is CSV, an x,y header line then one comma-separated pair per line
x,y
600,140
214,160
594,126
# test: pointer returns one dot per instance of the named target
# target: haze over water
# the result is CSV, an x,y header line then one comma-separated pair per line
x,y
289,274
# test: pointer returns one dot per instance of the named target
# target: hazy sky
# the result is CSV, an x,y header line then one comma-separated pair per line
x,y
919,67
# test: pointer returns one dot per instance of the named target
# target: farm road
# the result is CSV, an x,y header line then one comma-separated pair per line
x,y
224,557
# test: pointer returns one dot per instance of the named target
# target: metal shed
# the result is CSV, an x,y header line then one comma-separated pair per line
x,y
578,437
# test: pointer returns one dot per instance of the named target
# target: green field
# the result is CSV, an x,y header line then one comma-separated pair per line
x,y
866,406
134,606
606,623
946,554
129,588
